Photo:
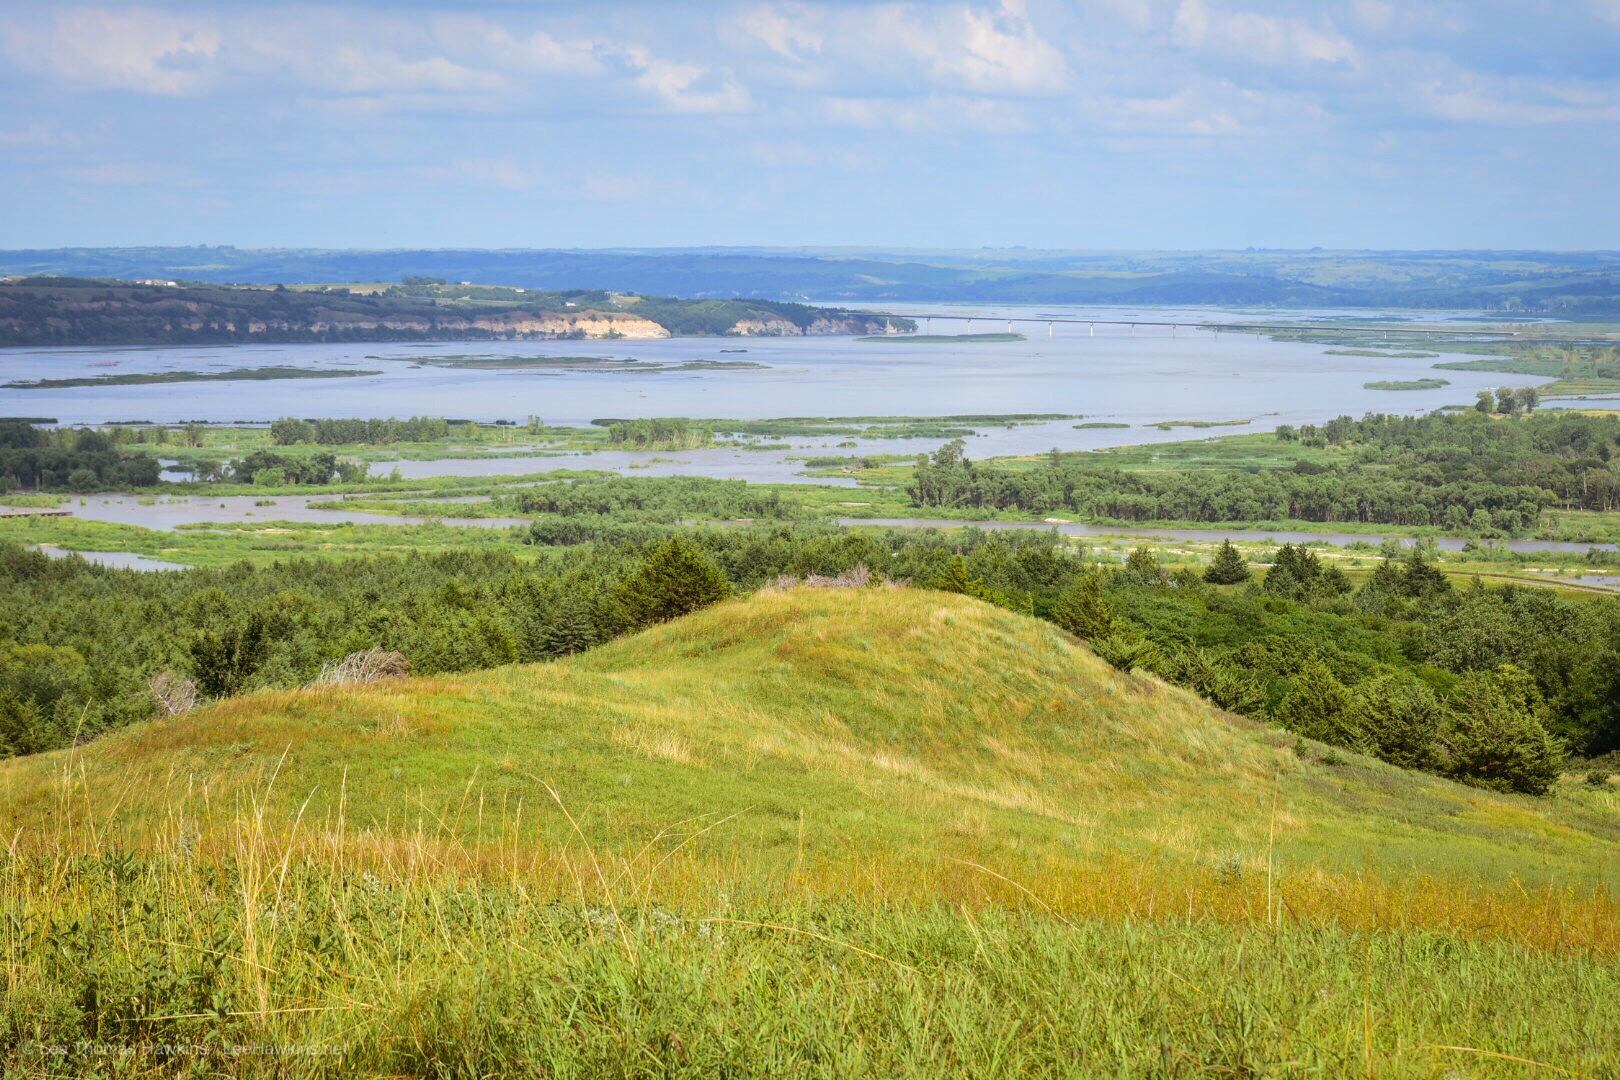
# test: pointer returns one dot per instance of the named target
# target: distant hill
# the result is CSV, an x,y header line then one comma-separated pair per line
x,y
87,311
1559,283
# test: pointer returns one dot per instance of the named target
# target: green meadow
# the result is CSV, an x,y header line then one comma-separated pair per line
x,y
813,832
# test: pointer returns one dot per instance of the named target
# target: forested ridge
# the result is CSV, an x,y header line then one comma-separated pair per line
x,y
81,311
1462,471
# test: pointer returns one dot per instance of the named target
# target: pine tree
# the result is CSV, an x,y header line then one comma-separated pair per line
x,y
1142,567
1397,722
677,579
1381,593
1082,611
1317,705
1419,578
955,578
1228,567
1497,737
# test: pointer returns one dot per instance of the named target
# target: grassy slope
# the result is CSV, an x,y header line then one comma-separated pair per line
x,y
871,745
921,724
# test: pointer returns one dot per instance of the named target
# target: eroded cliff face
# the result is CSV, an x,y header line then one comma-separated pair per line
x,y
777,326
100,313
168,317
518,324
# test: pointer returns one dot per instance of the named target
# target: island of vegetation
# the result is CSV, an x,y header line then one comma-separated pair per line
x,y
84,311
160,377
1406,384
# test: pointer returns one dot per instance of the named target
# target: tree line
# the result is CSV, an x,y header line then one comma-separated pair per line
x,y
1457,471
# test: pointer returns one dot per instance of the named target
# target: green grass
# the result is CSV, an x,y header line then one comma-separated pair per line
x,y
35,502
1406,384
1574,372
826,833
157,377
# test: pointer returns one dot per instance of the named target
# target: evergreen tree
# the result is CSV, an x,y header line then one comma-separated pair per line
x,y
1497,737
1082,611
1420,578
1397,722
571,628
956,578
1381,593
1317,706
677,579
1142,567
1228,567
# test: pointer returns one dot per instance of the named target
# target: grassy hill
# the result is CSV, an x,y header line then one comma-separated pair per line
x,y
822,832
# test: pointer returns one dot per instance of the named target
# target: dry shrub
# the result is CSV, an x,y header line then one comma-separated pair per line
x,y
357,669
856,577
173,694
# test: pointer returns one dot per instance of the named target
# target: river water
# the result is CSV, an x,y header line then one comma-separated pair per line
x,y
1106,374
1152,375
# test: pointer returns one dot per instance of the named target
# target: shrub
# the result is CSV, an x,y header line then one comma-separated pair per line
x,y
1317,705
1396,722
1228,567
1082,611
1126,649
173,694
1497,737
676,579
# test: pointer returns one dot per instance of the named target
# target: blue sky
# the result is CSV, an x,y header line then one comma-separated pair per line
x,y
1109,124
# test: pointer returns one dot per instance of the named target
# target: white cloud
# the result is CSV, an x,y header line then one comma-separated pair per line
x,y
786,29
1471,102
687,88
145,51
968,48
615,187
947,112
1200,26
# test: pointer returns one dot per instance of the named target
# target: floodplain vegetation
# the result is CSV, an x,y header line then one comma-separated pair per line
x,y
617,793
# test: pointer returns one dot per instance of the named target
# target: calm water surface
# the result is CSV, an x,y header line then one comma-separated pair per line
x,y
1156,375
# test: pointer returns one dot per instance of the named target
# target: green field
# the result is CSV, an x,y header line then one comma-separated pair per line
x,y
814,832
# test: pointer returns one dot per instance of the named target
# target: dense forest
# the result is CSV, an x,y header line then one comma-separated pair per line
x,y
75,460
1461,471
81,311
1489,685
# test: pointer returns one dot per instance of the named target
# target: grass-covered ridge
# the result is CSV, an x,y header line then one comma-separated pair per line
x,y
916,723
828,833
